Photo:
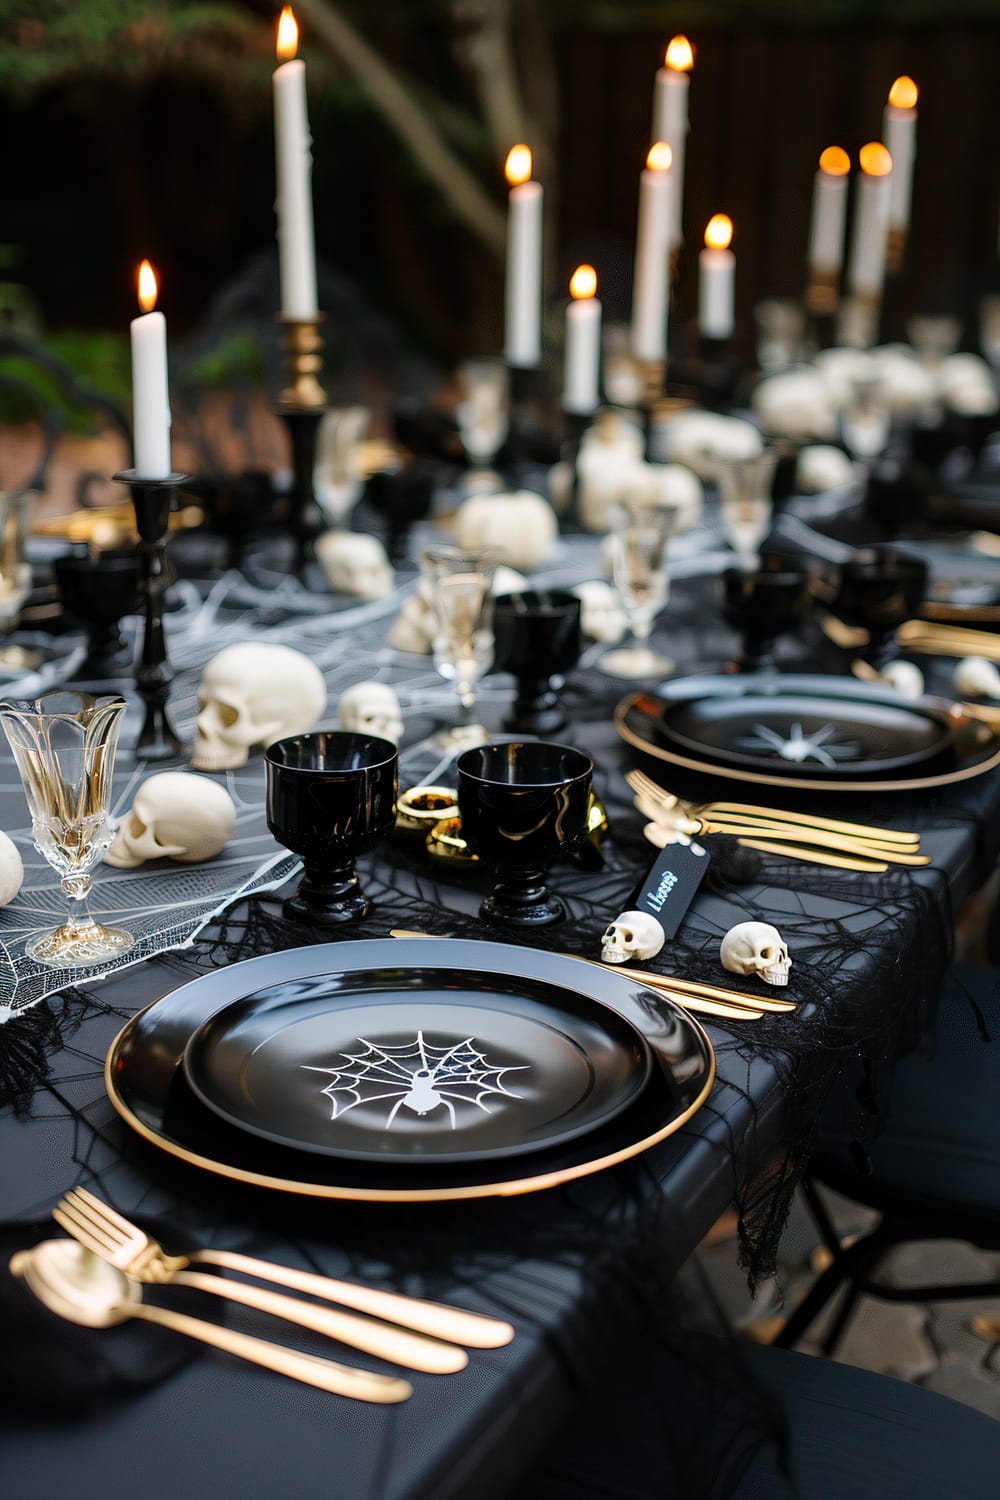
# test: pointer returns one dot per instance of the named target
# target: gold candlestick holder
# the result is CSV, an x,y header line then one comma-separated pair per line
x,y
301,406
858,322
895,248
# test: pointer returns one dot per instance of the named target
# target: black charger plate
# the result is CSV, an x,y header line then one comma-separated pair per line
x,y
148,1086
422,1065
876,740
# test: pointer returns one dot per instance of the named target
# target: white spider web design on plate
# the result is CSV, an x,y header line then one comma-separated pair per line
x,y
418,1076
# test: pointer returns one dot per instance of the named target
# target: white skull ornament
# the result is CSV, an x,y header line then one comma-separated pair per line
x,y
174,816
355,563
756,948
371,708
635,934
253,695
11,870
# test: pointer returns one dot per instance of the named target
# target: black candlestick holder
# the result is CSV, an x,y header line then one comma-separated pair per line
x,y
577,424
301,407
152,500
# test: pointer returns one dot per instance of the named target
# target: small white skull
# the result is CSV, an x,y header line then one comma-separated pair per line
x,y
905,677
976,677
11,870
355,563
602,617
635,934
253,695
174,816
756,948
371,708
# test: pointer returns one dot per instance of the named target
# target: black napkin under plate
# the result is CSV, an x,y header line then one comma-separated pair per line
x,y
52,1365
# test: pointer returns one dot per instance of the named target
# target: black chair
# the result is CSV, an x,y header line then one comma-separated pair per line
x,y
935,1170
849,1435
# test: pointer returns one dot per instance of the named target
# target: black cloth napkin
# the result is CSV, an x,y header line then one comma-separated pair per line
x,y
52,1365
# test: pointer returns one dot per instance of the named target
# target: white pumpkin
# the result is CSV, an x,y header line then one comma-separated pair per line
x,y
519,526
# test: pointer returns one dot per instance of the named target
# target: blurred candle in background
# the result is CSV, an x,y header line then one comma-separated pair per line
x,y
150,395
866,269
670,121
899,132
651,286
717,280
293,162
523,320
583,344
829,211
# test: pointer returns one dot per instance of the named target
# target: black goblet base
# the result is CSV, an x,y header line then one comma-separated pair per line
x,y
328,898
535,711
520,898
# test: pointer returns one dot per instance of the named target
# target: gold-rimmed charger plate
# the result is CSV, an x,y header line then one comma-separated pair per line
x,y
637,720
146,1082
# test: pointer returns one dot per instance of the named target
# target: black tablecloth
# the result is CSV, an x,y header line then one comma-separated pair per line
x,y
573,1267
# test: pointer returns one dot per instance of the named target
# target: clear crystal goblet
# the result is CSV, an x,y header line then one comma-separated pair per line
x,y
64,746
639,542
458,584
746,505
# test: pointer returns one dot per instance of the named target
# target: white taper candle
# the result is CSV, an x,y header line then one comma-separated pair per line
x,y
651,288
293,162
523,286
899,132
150,392
829,211
583,344
866,269
717,280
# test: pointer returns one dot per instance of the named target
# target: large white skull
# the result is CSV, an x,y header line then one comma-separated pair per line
x,y
253,695
355,563
635,934
11,870
371,708
700,439
174,816
756,948
796,404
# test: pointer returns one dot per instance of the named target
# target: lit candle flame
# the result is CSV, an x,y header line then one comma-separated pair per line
x,y
875,160
147,287
835,162
659,157
680,55
288,35
517,167
719,232
903,94
583,282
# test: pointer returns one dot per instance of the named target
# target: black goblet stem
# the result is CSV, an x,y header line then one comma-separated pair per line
x,y
152,500
326,897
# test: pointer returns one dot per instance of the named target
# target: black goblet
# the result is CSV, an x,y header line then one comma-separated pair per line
x,y
330,797
100,591
879,588
521,804
764,604
537,639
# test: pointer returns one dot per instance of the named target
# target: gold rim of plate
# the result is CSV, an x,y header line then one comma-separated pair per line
x,y
792,783
507,1188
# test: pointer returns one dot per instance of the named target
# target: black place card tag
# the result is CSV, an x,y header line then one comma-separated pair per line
x,y
672,884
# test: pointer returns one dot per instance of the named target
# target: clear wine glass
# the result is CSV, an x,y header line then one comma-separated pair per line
x,y
64,747
639,545
458,585
746,504
483,415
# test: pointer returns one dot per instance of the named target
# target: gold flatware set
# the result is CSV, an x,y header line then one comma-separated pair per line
x,y
96,1278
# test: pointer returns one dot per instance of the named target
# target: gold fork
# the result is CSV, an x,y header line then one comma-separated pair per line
x,y
639,782
817,838
139,1255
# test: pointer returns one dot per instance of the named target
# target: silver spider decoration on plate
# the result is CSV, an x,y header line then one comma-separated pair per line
x,y
417,1076
798,747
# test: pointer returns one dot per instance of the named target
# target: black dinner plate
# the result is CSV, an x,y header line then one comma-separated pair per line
x,y
417,1065
148,1085
808,732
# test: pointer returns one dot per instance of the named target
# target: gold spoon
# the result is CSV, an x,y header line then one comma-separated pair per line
x,y
84,1289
